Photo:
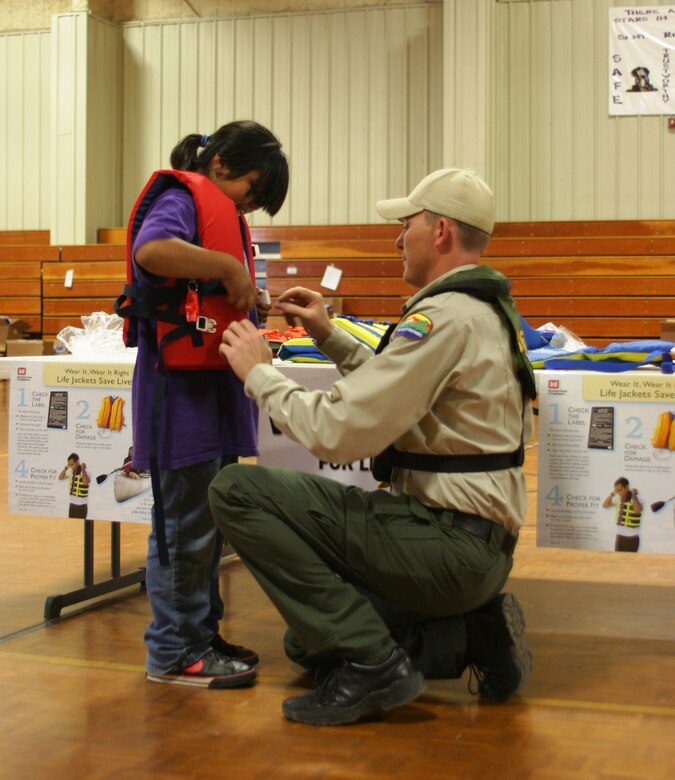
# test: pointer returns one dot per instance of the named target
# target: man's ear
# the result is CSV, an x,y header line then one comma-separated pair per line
x,y
444,234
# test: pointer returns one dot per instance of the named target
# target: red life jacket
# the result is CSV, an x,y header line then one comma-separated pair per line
x,y
187,343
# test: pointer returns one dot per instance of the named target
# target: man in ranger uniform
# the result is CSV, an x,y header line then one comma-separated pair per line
x,y
381,589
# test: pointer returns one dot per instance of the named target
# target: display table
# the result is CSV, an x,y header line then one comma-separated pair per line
x,y
56,408
593,428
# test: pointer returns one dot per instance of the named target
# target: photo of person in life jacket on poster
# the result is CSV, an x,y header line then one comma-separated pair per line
x,y
628,515
79,486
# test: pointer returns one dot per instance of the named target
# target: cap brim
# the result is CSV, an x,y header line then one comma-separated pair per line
x,y
397,208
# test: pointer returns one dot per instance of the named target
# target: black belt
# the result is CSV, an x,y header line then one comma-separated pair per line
x,y
482,528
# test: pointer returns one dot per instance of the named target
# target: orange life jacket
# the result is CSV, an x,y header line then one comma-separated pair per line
x,y
185,341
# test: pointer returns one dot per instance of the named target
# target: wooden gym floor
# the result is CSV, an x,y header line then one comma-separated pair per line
x,y
74,703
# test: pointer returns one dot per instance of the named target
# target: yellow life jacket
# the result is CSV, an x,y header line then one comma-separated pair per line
x,y
626,515
78,487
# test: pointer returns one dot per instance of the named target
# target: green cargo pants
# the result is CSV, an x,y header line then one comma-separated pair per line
x,y
353,572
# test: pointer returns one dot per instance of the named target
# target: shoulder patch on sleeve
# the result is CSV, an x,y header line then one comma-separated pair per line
x,y
415,326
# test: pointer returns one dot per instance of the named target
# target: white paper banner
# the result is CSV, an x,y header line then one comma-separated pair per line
x,y
595,429
54,411
642,60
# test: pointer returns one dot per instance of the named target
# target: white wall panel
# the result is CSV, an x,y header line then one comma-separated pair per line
x,y
419,84
517,166
583,155
170,116
566,158
379,157
468,67
322,82
205,87
69,61
357,137
319,120
298,104
245,68
187,87
102,185
85,128
260,59
336,165
24,131
538,28
14,130
357,99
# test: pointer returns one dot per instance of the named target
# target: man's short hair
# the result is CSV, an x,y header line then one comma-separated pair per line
x,y
471,238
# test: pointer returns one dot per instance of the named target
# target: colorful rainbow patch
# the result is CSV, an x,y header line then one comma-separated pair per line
x,y
415,326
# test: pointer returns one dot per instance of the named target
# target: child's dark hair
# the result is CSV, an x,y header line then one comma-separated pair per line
x,y
242,146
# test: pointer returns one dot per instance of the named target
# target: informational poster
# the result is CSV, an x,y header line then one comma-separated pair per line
x,y
642,60
70,441
276,449
606,475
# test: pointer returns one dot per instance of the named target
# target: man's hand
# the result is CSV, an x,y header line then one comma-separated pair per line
x,y
307,306
243,347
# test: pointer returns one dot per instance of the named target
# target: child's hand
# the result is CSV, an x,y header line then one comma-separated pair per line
x,y
240,292
263,305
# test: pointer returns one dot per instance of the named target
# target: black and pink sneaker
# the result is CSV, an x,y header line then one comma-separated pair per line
x,y
213,670
237,652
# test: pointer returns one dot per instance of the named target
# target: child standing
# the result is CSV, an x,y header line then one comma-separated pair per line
x,y
200,420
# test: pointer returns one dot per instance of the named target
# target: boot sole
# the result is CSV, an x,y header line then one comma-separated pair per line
x,y
515,625
398,693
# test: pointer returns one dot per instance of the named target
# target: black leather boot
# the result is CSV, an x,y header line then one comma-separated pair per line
x,y
351,689
497,653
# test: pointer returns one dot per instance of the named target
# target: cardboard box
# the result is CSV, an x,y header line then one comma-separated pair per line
x,y
25,347
668,330
9,331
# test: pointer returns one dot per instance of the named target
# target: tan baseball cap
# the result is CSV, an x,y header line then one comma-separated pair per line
x,y
457,193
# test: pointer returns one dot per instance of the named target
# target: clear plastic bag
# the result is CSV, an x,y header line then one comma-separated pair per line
x,y
101,336
562,337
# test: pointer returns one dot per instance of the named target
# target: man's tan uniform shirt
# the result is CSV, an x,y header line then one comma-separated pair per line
x,y
449,387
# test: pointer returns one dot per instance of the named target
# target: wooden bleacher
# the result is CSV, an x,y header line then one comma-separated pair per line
x,y
21,286
612,281
14,238
99,273
604,280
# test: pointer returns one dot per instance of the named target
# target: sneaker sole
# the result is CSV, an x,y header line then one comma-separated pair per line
x,y
515,625
242,680
398,693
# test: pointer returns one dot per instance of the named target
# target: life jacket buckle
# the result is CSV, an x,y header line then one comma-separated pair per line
x,y
205,324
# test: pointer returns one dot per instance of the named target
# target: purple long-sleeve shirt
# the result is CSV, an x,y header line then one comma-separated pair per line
x,y
204,414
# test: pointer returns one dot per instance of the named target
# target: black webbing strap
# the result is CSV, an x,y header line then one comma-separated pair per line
x,y
458,464
162,304
155,419
492,291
